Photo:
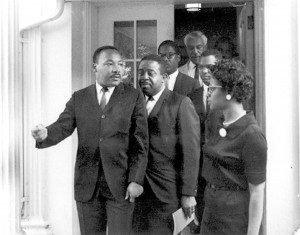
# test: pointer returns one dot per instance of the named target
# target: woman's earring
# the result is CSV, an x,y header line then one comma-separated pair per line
x,y
228,97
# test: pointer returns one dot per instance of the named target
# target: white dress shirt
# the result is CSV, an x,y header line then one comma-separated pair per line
x,y
189,69
205,90
151,103
107,93
172,80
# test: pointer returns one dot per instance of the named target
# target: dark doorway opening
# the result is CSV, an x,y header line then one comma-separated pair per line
x,y
214,22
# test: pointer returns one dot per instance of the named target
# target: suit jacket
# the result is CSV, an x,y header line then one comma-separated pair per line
x,y
185,70
117,137
174,148
188,86
185,85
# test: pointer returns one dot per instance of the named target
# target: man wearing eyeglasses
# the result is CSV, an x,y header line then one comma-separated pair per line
x,y
180,82
207,60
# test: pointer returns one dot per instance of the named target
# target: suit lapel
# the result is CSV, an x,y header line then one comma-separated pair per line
x,y
93,100
159,103
178,83
115,97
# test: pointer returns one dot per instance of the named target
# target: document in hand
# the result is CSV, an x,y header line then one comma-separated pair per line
x,y
180,221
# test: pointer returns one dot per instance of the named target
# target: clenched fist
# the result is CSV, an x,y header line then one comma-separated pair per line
x,y
133,191
39,133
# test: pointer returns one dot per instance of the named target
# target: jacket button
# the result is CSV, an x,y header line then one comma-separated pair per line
x,y
102,116
97,163
101,139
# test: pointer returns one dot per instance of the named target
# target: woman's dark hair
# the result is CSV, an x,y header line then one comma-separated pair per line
x,y
234,77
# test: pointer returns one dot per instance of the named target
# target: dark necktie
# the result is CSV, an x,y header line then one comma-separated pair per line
x,y
197,72
103,98
150,98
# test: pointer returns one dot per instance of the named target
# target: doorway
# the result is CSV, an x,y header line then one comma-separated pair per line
x,y
223,23
243,23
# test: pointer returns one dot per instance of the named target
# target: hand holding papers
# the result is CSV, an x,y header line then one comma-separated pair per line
x,y
181,221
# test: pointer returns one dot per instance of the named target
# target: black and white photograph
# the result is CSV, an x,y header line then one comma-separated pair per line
x,y
150,117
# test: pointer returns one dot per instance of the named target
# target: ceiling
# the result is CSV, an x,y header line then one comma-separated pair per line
x,y
179,3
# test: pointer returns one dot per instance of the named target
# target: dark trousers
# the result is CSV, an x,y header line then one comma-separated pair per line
x,y
200,198
97,215
151,216
103,213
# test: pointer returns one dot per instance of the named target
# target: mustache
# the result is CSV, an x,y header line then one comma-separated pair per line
x,y
144,82
116,75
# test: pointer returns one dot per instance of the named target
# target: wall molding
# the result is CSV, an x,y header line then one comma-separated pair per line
x,y
32,221
87,45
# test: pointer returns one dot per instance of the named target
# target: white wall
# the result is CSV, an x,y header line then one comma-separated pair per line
x,y
56,91
164,13
282,115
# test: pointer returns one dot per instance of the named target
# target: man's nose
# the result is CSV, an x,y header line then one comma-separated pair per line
x,y
143,76
165,58
205,70
117,68
195,50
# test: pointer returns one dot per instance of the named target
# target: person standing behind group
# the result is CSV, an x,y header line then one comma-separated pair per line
x,y
111,122
180,82
195,43
235,156
226,47
207,60
174,150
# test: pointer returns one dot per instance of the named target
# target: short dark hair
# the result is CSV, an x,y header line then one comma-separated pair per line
x,y
171,44
234,77
224,39
101,49
213,52
158,59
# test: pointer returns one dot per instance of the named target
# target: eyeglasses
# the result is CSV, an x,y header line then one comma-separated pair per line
x,y
169,55
211,89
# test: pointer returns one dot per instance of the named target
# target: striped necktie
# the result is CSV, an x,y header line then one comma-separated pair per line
x,y
103,98
197,71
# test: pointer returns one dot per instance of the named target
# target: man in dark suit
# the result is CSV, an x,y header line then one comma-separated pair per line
x,y
180,82
174,149
185,85
111,121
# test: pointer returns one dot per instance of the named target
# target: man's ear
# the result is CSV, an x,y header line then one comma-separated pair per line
x,y
94,66
178,58
165,76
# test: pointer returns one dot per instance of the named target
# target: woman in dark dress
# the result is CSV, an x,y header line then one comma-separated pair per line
x,y
235,156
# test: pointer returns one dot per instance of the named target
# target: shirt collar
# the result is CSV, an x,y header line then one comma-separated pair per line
x,y
174,75
99,87
239,126
156,97
191,65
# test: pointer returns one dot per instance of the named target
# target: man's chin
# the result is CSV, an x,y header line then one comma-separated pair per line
x,y
115,83
206,82
195,60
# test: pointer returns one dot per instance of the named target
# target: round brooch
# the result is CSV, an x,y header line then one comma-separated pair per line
x,y
222,132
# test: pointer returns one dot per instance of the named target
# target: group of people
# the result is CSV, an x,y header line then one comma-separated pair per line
x,y
181,140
